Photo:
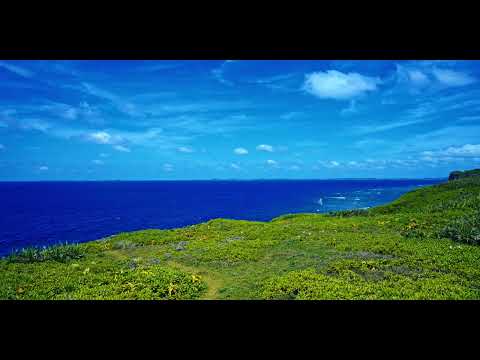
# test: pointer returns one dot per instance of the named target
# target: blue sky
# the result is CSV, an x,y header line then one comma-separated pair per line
x,y
237,119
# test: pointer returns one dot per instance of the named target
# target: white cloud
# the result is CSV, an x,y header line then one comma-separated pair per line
x,y
417,77
272,162
121,148
98,162
43,168
264,147
467,150
426,76
336,85
371,164
103,155
168,167
452,78
295,167
330,164
185,149
235,166
101,137
240,151
108,138
16,69
413,76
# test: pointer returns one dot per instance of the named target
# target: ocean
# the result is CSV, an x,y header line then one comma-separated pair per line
x,y
46,213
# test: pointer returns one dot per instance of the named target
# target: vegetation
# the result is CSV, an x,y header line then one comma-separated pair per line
x,y
422,246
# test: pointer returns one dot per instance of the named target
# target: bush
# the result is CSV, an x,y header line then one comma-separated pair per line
x,y
465,229
60,253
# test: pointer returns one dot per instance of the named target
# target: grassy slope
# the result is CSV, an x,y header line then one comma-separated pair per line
x,y
395,251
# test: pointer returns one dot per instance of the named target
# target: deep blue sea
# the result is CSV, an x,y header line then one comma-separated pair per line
x,y
44,213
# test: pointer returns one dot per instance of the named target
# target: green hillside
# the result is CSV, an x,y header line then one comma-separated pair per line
x,y
422,246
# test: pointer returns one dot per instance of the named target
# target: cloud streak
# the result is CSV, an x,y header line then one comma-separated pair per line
x,y
18,70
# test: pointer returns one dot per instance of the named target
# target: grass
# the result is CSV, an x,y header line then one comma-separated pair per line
x,y
422,246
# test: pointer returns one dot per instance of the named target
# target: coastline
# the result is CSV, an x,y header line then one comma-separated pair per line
x,y
104,209
410,248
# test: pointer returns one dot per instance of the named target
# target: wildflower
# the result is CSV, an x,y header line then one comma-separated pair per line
x,y
171,289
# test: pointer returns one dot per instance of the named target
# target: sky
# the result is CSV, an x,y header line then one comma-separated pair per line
x,y
237,119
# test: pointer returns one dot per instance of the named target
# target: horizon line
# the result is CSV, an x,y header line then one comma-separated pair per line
x,y
214,179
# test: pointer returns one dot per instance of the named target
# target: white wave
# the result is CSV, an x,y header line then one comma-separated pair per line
x,y
320,202
338,197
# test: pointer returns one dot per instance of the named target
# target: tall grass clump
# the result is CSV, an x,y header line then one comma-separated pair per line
x,y
60,253
465,229
349,213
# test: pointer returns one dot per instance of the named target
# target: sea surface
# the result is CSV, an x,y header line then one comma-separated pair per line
x,y
46,213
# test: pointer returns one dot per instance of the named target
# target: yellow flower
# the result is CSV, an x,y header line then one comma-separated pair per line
x,y
171,288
